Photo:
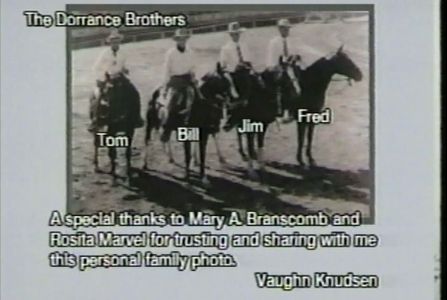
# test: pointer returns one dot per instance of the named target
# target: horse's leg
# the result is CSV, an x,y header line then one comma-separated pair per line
x,y
146,154
148,131
251,156
95,157
241,146
129,135
187,148
310,135
112,151
202,149
260,140
112,156
219,152
171,156
195,155
167,148
301,127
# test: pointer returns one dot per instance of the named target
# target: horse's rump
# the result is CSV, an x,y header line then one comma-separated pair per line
x,y
153,118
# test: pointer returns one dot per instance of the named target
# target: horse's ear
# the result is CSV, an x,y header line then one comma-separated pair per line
x,y
294,58
219,68
340,49
281,60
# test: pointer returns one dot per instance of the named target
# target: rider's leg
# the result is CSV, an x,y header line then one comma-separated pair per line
x,y
94,102
189,99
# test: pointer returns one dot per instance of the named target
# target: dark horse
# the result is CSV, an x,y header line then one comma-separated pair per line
x,y
116,110
205,114
314,82
256,104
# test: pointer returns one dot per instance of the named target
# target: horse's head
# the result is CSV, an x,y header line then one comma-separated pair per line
x,y
345,66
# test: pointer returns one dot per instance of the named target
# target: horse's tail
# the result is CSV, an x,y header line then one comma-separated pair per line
x,y
152,120
92,105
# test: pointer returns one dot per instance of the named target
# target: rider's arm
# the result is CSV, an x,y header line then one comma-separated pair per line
x,y
247,53
99,67
272,58
166,73
124,68
223,57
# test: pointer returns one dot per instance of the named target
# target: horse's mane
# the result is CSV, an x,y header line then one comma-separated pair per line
x,y
208,75
322,60
316,64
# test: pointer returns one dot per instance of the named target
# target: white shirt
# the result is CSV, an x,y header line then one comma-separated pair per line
x,y
111,63
276,49
178,63
229,57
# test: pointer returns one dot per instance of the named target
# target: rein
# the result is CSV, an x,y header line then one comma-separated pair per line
x,y
342,78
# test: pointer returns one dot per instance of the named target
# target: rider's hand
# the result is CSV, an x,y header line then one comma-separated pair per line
x,y
164,93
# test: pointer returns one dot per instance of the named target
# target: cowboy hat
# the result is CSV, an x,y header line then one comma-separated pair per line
x,y
114,35
283,23
235,27
181,33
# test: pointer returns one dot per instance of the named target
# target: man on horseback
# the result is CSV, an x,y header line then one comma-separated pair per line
x,y
279,49
179,83
232,55
110,68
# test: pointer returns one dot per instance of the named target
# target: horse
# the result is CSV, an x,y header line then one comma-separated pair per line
x,y
116,109
205,114
257,105
314,82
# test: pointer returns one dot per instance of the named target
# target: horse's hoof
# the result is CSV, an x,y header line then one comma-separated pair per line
x,y
187,180
222,161
253,175
171,161
194,163
312,163
97,169
114,181
206,183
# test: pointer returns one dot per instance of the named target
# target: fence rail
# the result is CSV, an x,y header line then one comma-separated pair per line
x,y
199,23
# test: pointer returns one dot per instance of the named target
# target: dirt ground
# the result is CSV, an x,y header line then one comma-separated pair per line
x,y
341,183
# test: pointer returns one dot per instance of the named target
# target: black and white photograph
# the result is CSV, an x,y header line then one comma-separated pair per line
x,y
222,108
